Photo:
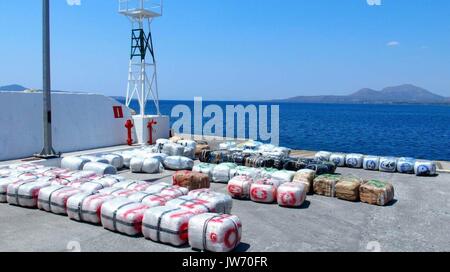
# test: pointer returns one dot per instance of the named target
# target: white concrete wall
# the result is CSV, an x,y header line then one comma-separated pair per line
x,y
80,121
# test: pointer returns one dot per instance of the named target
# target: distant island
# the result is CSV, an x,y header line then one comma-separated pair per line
x,y
403,94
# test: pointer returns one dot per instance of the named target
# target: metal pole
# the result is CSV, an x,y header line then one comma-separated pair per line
x,y
47,151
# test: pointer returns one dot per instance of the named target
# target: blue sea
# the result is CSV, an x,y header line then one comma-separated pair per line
x,y
419,131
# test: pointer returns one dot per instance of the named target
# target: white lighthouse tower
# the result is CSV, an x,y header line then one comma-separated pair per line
x,y
142,74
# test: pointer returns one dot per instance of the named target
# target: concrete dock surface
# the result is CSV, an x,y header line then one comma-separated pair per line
x,y
417,220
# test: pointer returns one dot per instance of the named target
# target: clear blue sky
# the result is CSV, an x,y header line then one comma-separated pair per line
x,y
236,49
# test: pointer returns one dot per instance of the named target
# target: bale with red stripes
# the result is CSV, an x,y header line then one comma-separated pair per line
x,y
123,215
54,198
223,202
135,185
150,200
86,207
214,232
291,194
264,191
167,225
25,193
239,187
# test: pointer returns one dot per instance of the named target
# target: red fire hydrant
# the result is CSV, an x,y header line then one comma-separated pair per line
x,y
129,125
150,130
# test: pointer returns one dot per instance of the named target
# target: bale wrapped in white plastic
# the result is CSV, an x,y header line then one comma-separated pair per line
x,y
406,165
79,175
354,160
204,168
188,143
246,171
223,203
215,232
167,225
266,173
178,163
291,194
86,207
117,192
100,168
388,164
193,204
284,176
25,193
284,150
264,191
135,185
50,171
146,165
338,159
189,152
222,173
99,184
323,155
425,168
162,142
239,187
127,156
150,200
172,149
159,156
73,163
115,160
123,215
54,198
371,163
25,167
162,189
227,145
94,159
4,183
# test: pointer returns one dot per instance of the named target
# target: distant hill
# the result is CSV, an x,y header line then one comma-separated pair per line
x,y
408,94
13,88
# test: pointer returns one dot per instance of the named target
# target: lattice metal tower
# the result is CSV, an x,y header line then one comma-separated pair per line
x,y
142,74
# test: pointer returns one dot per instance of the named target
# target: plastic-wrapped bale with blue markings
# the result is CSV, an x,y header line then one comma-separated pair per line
x,y
167,225
406,165
388,164
123,215
338,159
215,232
54,198
323,156
371,163
425,168
86,207
354,160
